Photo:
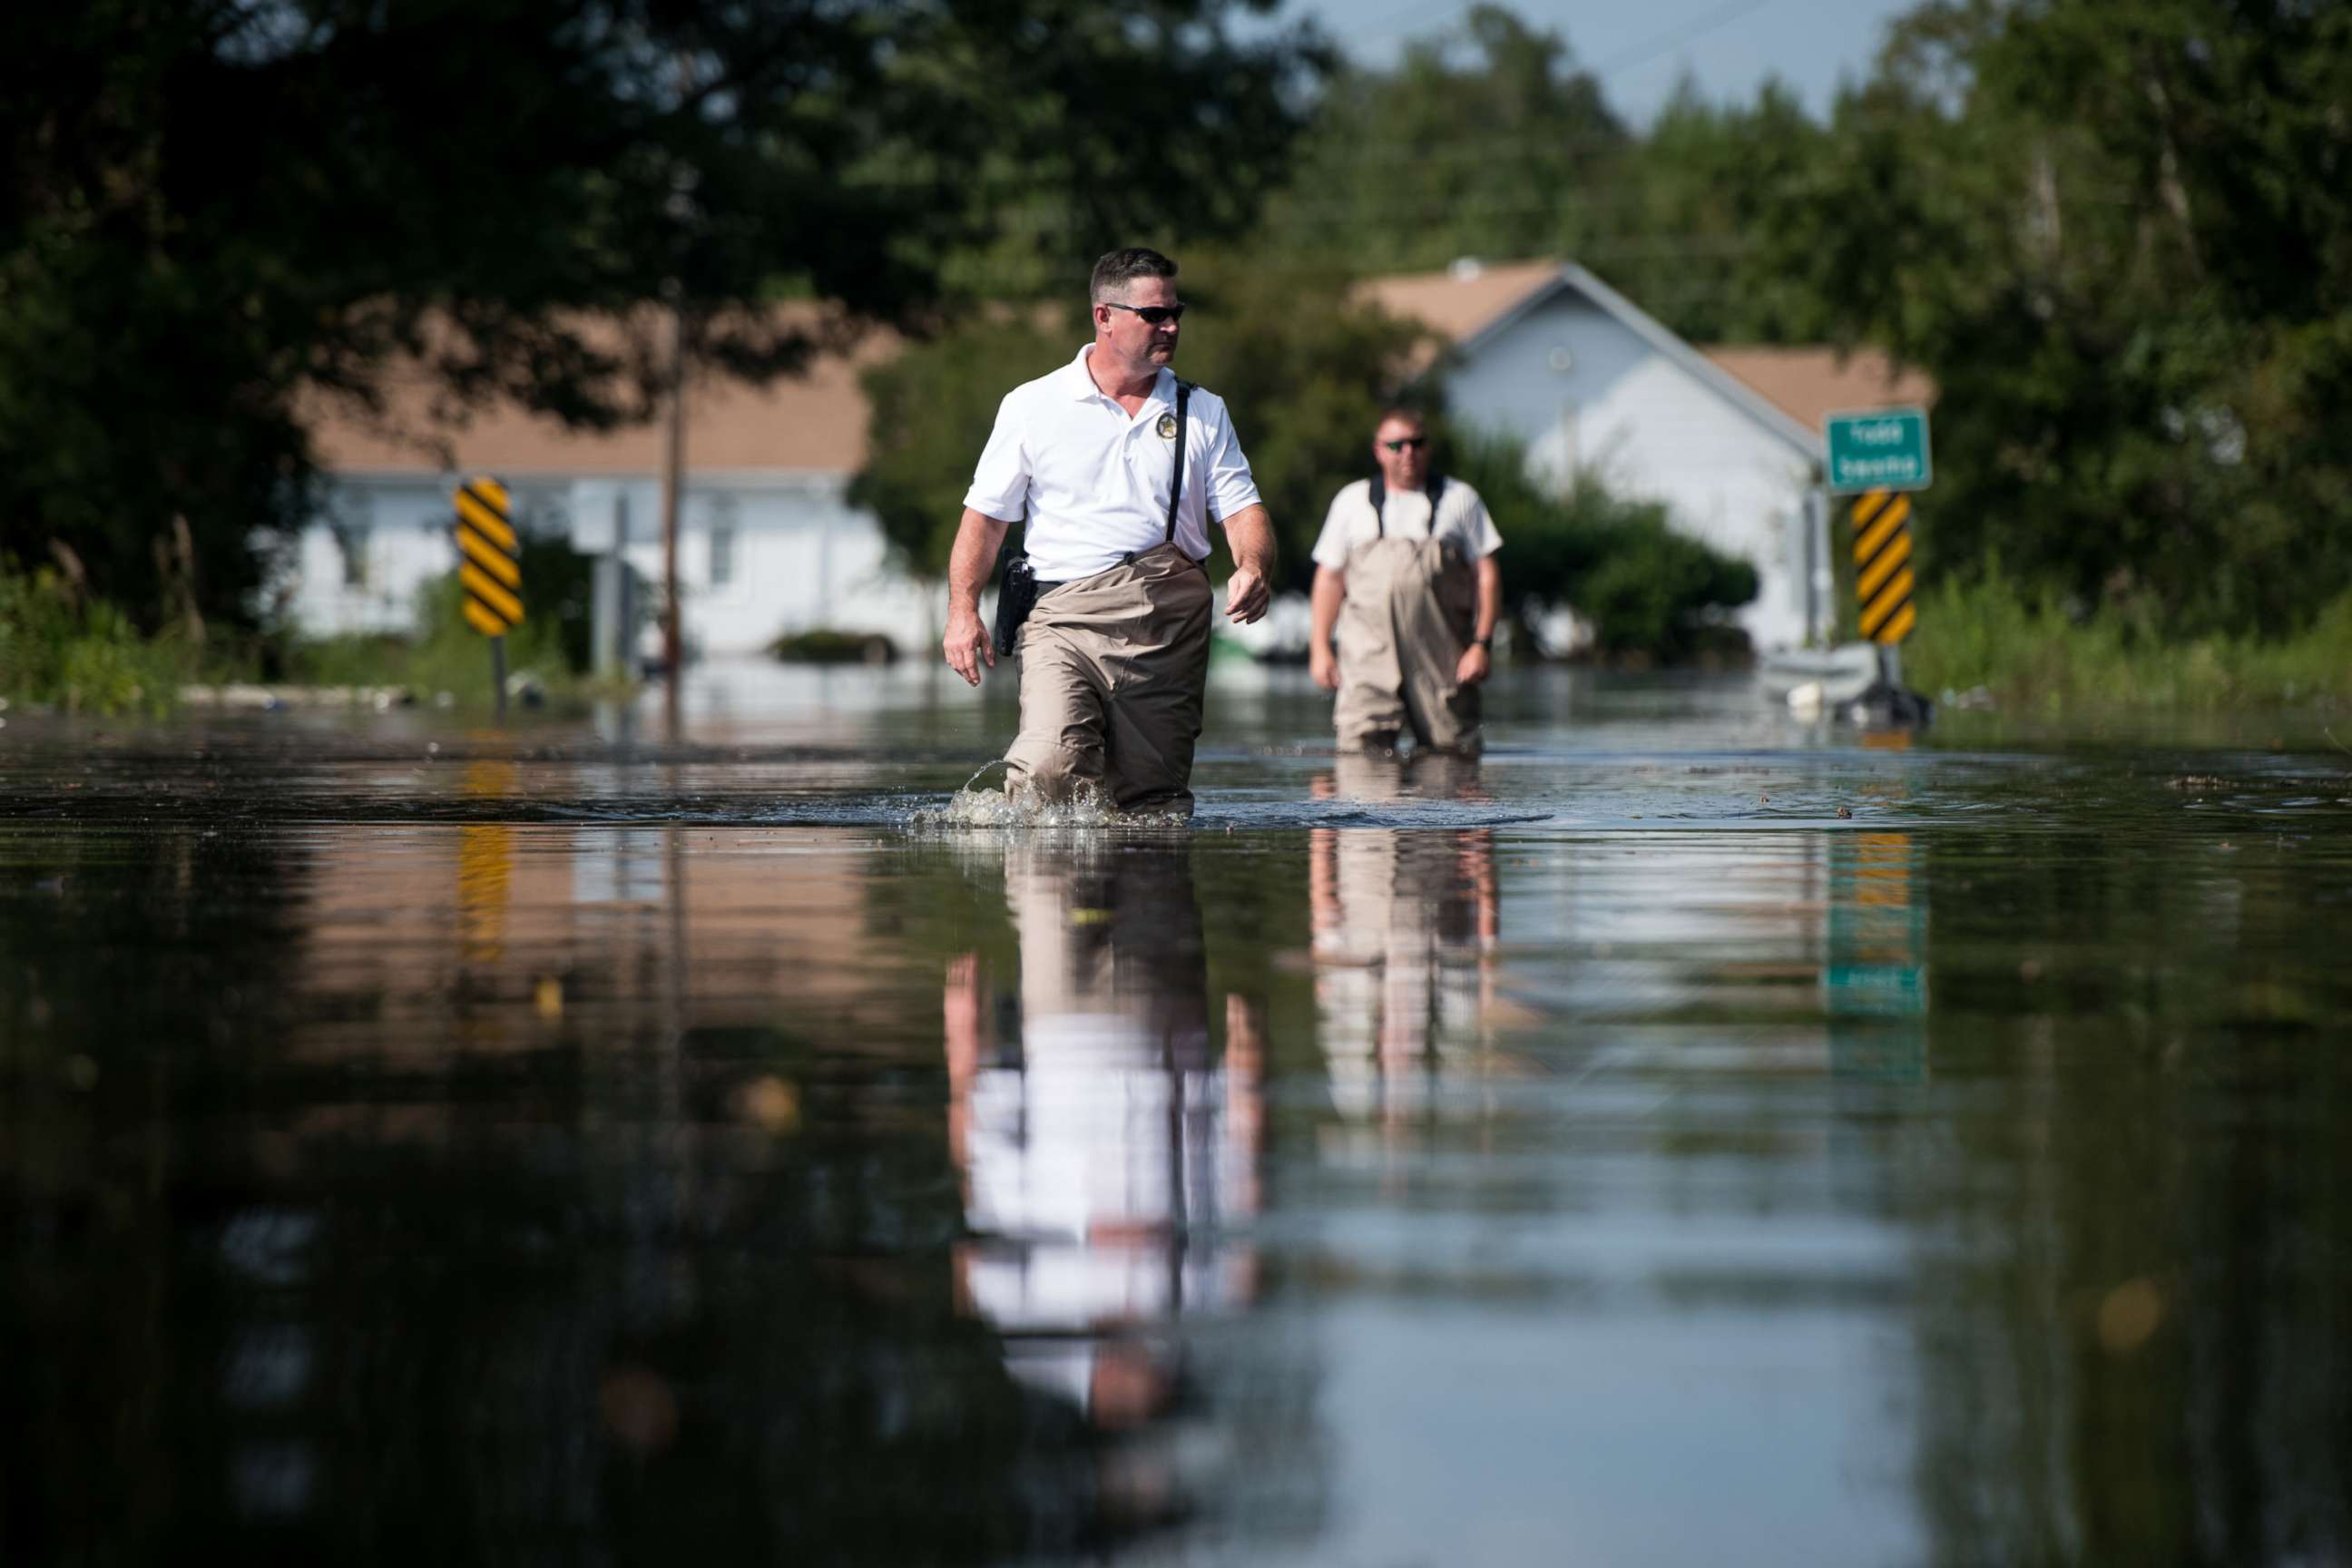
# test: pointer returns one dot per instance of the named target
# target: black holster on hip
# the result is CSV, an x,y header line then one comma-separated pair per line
x,y
1016,595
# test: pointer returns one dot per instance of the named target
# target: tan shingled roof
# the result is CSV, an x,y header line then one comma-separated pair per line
x,y
1808,383
1462,300
815,422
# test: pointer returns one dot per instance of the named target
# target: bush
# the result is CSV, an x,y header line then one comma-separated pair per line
x,y
1647,590
84,657
823,645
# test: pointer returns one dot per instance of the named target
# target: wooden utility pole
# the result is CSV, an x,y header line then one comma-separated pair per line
x,y
672,482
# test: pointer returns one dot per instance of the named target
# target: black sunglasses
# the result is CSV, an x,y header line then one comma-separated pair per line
x,y
1152,314
1401,442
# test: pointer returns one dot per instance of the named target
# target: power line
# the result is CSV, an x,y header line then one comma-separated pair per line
x,y
1396,16
1721,17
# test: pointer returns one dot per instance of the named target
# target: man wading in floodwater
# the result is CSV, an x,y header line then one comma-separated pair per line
x,y
1115,654
1405,570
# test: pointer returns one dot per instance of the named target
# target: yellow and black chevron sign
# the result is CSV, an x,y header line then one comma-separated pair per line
x,y
487,549
1882,565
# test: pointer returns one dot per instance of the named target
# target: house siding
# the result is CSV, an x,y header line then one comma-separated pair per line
x,y
803,556
1586,392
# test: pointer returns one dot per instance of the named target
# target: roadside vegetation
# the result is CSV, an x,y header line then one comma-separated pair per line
x,y
1999,641
60,648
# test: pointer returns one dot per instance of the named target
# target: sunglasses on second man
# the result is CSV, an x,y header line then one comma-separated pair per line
x,y
1152,314
1402,442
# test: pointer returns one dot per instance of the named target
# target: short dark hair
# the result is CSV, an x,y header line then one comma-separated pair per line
x,y
1403,411
1119,267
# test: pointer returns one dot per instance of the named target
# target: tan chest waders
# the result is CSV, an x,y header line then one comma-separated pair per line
x,y
1410,614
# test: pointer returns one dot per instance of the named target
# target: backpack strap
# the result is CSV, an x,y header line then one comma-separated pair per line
x,y
1176,487
1436,490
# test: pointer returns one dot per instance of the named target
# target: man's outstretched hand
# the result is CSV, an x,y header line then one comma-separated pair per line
x,y
1246,596
968,645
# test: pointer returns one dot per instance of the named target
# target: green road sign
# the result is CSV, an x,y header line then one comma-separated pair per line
x,y
1877,449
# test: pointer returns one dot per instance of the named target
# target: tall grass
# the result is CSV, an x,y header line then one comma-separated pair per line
x,y
2023,648
59,648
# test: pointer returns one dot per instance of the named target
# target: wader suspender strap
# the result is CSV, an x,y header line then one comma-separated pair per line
x,y
1436,487
1176,489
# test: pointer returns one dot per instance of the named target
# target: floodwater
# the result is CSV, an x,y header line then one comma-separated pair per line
x,y
1685,1137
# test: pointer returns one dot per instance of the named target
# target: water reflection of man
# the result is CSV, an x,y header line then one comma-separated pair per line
x,y
1405,575
1406,924
1103,1153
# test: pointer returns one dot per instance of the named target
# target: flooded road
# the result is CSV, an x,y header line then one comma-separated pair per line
x,y
1685,1137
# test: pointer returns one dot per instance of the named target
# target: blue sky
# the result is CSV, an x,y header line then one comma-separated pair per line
x,y
1641,48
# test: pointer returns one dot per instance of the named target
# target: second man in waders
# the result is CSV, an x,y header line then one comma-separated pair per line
x,y
1405,576
1118,469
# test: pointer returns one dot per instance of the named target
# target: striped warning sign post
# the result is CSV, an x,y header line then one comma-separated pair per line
x,y
490,567
1882,566
487,549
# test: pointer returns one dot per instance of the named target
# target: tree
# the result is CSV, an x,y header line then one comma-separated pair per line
x,y
218,205
1690,236
928,413
2119,234
1501,155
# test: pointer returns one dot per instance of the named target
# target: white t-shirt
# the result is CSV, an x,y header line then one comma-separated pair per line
x,y
1092,482
1461,517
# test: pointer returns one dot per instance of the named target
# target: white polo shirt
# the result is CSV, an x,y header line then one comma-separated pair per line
x,y
1092,483
1461,517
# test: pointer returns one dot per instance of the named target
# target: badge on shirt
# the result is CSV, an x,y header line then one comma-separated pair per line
x,y
1167,426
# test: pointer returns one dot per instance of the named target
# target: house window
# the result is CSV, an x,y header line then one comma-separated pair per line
x,y
539,514
722,541
351,539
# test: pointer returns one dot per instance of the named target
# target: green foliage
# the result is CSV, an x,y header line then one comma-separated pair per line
x,y
2020,645
83,656
1647,589
560,595
442,653
1302,370
1486,141
824,645
930,411
1500,155
217,208
2120,238
1691,236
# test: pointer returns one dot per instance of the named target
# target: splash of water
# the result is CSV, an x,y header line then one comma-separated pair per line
x,y
983,767
1017,806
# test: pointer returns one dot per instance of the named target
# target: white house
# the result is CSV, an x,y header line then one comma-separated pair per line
x,y
1728,438
767,541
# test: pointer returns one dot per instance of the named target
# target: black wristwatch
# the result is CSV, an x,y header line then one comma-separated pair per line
x,y
1487,642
